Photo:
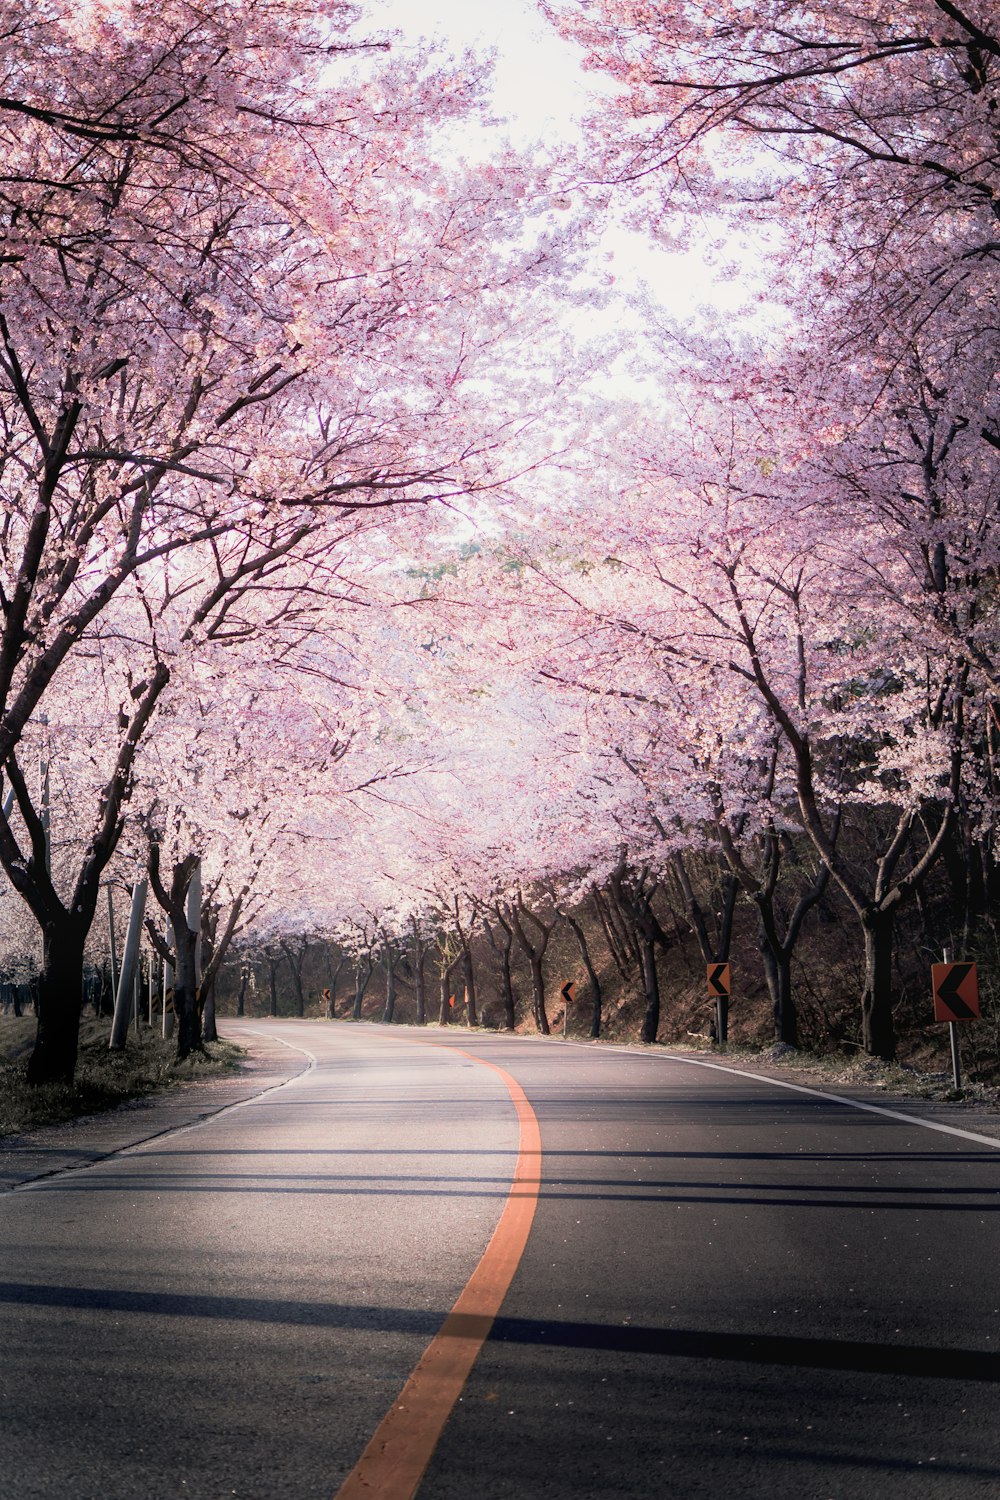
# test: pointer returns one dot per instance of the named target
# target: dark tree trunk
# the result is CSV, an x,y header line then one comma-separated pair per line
x,y
634,894
506,981
181,897
419,990
777,961
241,997
538,995
208,1029
469,982
444,982
503,952
595,983
878,1031
333,974
272,980
209,937
107,1000
64,930
651,985
617,937
389,959
360,985
295,962
58,1004
506,978
714,949
468,973
518,916
187,1010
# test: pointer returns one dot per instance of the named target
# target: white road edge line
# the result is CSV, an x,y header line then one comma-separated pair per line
x,y
240,1103
801,1088
165,1135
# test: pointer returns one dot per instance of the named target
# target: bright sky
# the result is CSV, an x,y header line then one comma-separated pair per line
x,y
542,90
538,82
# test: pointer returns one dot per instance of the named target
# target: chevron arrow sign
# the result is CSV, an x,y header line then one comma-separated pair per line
x,y
956,992
719,981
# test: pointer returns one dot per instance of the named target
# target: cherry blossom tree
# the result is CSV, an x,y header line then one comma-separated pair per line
x,y
215,360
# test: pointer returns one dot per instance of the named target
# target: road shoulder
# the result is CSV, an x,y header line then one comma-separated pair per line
x,y
871,1083
91,1138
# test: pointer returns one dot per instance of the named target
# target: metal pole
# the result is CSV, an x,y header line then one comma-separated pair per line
x,y
126,980
956,1061
956,1066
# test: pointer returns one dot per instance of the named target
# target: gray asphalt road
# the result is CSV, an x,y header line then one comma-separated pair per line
x,y
728,1289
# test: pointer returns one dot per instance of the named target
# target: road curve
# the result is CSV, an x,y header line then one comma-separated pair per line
x,y
727,1287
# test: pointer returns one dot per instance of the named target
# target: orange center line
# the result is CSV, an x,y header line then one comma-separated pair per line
x,y
403,1444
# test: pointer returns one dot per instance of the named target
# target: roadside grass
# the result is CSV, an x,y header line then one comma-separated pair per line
x,y
104,1079
858,1072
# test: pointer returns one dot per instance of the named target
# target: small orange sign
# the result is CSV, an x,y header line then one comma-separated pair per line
x,y
956,992
719,981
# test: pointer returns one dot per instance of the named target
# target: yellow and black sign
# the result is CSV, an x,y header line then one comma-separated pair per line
x,y
956,992
719,981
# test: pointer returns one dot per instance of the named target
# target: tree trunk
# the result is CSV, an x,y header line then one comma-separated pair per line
x,y
507,983
208,1028
503,953
878,1032
295,962
59,1002
444,1015
651,985
241,997
618,945
333,974
595,983
360,985
777,959
187,1009
389,959
538,995
469,981
535,953
418,976
778,972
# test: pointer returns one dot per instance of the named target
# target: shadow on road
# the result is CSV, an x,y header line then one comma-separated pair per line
x,y
677,1343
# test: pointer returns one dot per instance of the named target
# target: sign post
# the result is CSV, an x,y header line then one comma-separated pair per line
x,y
956,998
719,978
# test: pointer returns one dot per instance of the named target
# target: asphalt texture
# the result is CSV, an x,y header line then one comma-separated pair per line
x,y
729,1288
